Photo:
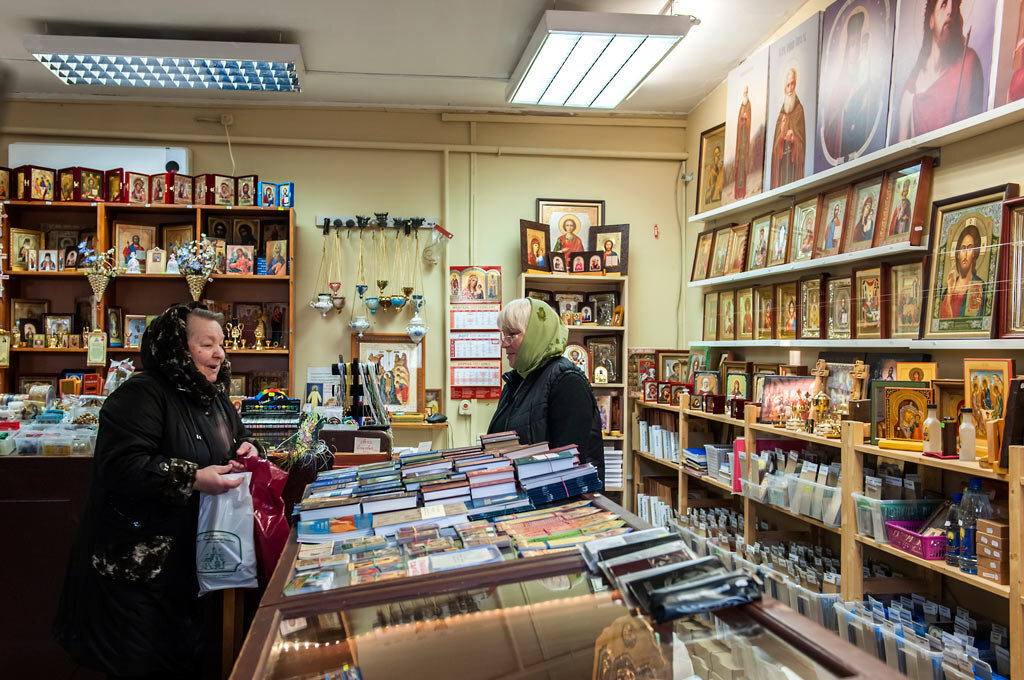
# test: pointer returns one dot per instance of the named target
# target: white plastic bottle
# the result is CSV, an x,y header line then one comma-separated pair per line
x,y
968,452
932,431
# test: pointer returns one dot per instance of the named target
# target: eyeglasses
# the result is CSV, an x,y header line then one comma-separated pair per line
x,y
508,338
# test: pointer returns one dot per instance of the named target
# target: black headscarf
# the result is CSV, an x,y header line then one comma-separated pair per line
x,y
165,351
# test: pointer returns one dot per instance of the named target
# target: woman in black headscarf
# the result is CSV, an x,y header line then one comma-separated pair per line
x,y
130,603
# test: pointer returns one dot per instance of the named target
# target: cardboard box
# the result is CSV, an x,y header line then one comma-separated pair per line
x,y
1000,577
992,553
997,542
991,527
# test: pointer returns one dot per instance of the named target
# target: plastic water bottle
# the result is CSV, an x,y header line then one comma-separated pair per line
x,y
952,527
973,506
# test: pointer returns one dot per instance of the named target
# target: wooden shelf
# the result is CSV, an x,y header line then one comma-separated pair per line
x,y
613,438
844,259
916,146
419,426
718,417
803,518
660,461
573,278
875,343
707,479
49,350
597,329
939,566
247,277
962,467
608,386
614,489
790,434
64,274
661,407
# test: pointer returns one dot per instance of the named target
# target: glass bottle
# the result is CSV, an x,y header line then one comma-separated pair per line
x,y
967,434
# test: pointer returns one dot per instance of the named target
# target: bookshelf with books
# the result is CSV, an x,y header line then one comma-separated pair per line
x,y
62,295
603,344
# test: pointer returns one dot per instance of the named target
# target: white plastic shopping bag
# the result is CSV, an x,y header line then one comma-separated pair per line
x,y
225,553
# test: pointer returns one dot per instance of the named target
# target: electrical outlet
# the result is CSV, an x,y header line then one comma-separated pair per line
x,y
227,119
465,407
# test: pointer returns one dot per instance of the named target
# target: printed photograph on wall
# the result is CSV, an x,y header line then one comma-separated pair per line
x,y
746,107
711,168
853,91
941,64
792,104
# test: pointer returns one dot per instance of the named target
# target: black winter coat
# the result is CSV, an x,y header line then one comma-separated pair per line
x,y
130,603
555,404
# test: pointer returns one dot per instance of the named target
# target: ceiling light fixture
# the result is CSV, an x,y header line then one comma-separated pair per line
x,y
183,64
592,59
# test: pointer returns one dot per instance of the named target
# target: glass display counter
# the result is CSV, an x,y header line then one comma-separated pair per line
x,y
545,617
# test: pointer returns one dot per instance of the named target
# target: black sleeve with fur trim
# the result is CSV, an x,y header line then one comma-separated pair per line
x,y
128,447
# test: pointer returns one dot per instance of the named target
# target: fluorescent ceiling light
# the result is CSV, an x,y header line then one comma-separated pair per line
x,y
592,59
184,64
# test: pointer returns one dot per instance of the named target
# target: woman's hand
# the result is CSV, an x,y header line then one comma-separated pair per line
x,y
246,450
210,479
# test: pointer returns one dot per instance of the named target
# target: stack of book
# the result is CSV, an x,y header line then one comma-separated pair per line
x,y
612,468
559,528
696,459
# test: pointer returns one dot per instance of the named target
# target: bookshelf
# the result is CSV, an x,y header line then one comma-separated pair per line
x,y
615,389
68,291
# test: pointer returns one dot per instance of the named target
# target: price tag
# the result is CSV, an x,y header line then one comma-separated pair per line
x,y
366,445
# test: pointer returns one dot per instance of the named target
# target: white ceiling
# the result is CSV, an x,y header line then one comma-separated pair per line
x,y
436,54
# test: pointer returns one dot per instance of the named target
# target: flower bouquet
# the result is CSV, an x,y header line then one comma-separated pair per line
x,y
99,268
196,260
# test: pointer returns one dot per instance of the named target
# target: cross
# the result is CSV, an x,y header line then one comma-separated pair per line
x,y
821,371
859,374
3,277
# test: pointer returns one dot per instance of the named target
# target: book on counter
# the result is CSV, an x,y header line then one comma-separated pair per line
x,y
495,488
495,506
446,489
450,514
310,582
544,463
499,474
522,451
326,508
335,529
388,502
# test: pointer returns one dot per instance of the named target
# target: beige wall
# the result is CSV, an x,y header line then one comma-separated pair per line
x,y
499,191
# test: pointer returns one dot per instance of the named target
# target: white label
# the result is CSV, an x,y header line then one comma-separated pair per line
x,y
366,445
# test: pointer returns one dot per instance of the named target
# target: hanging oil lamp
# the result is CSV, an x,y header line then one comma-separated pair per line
x,y
398,301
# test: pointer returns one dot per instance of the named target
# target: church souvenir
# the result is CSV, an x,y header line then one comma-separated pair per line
x,y
267,194
737,385
534,251
612,242
672,365
35,183
677,392
286,194
604,351
746,104
906,292
918,371
720,252
806,216
905,413
839,322
580,358
156,261
835,214
706,382
966,232
853,80
810,305
710,316
558,265
664,393
778,237
650,391
904,208
957,86
702,256
863,216
781,395
594,262
1011,309
736,260
792,104
183,186
787,317
757,250
248,185
161,187
727,315
569,222
400,366
79,184
604,307
711,169
600,375
764,308
986,390
870,298
137,188
116,186
5,184
745,314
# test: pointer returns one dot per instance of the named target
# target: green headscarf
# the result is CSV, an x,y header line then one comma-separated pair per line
x,y
545,336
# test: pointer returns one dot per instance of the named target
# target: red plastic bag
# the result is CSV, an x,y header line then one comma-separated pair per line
x,y
270,526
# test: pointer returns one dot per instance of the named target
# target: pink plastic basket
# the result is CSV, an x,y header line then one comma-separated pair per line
x,y
903,536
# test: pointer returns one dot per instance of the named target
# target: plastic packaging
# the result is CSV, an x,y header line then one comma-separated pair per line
x,y
952,527
225,556
872,514
973,506
271,525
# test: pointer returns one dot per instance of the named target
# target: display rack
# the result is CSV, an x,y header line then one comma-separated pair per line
x,y
136,293
933,577
585,283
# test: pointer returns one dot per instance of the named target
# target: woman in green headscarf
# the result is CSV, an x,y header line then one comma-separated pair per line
x,y
545,397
